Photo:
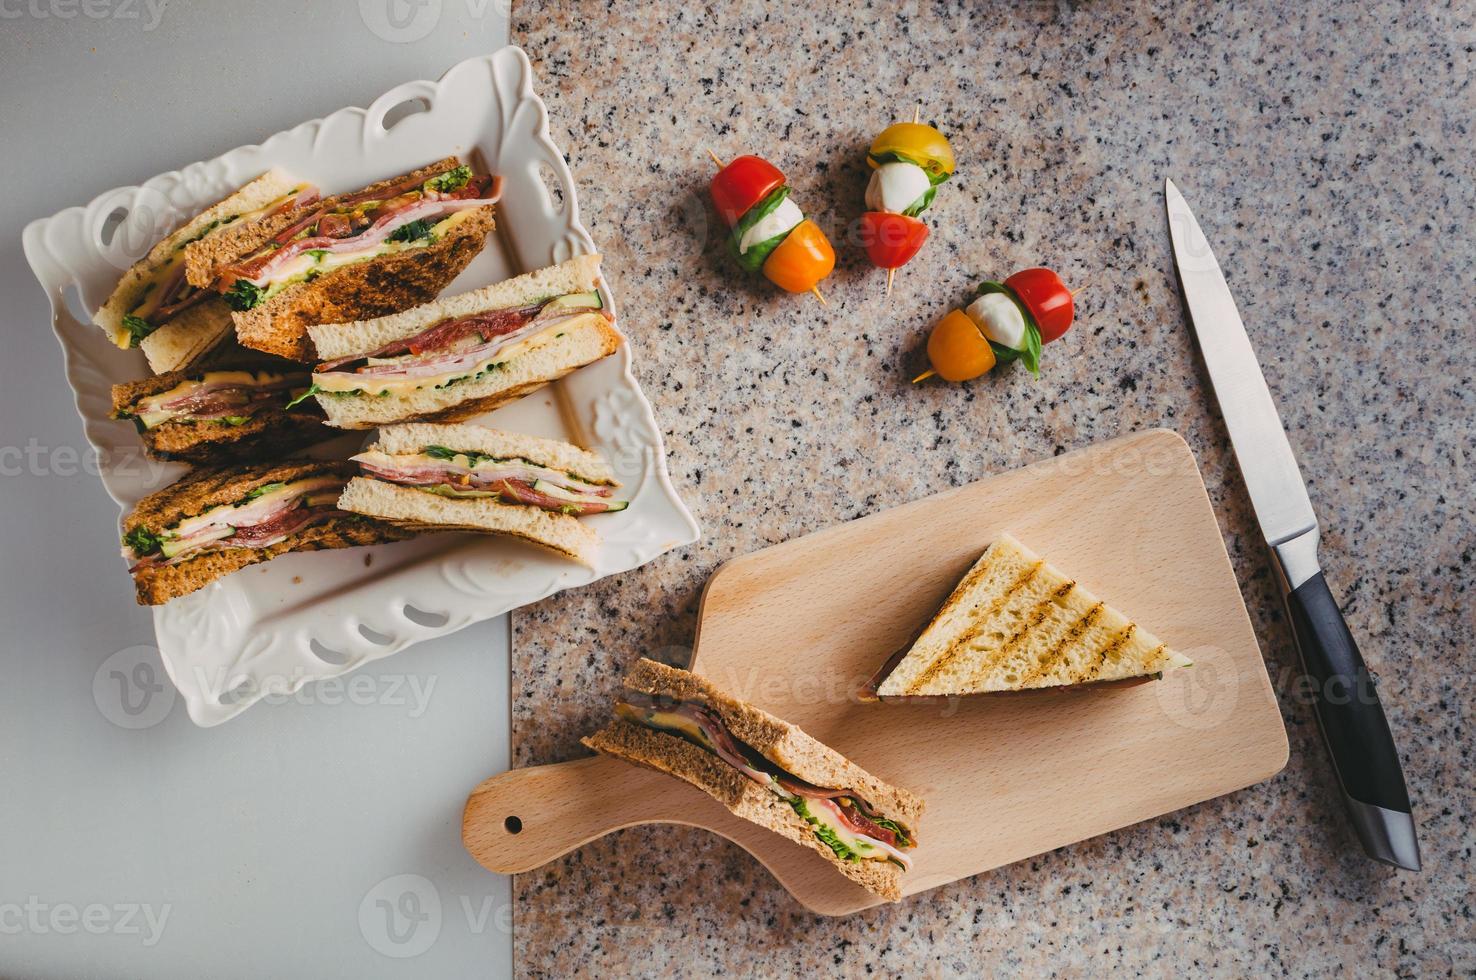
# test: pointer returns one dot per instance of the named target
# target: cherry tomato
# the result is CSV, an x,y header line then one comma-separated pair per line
x,y
891,240
801,260
916,143
744,182
1047,299
957,350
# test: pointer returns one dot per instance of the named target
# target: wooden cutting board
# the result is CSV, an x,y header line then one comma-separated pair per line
x,y
796,629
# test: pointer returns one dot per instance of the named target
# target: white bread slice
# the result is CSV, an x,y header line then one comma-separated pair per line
x,y
188,338
1016,622
188,334
336,340
415,436
583,340
418,510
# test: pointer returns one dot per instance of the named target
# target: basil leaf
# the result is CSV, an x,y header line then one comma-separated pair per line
x,y
922,203
935,177
753,259
1030,355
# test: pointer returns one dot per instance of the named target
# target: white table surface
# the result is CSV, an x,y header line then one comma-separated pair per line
x,y
319,838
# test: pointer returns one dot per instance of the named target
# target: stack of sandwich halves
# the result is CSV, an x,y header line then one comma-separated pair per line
x,y
278,318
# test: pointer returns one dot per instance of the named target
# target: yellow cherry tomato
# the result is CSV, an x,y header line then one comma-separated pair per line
x,y
801,260
917,143
957,348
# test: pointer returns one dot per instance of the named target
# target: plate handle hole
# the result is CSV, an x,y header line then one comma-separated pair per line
x,y
429,620
328,655
401,111
72,298
374,636
111,224
552,187
513,825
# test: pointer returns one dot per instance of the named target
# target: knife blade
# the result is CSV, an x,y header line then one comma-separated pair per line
x,y
1344,697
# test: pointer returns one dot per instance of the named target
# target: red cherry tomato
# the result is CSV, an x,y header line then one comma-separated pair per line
x,y
891,240
1047,299
744,182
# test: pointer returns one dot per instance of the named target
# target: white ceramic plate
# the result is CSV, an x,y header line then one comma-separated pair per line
x,y
272,628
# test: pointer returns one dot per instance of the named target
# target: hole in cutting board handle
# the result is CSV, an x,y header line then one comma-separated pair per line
x,y
513,825
401,111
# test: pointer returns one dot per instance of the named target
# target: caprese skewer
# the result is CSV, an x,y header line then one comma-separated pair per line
x,y
1007,321
770,234
908,161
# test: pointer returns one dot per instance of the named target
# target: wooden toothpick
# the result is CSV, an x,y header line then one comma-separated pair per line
x,y
924,376
715,159
818,295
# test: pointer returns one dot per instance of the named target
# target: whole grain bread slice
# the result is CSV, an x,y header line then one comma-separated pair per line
x,y
741,795
210,487
158,585
203,489
203,259
376,287
786,745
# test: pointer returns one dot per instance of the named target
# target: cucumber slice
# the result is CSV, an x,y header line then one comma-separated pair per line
x,y
173,546
576,301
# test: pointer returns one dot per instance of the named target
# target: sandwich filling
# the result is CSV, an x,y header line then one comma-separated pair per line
x,y
264,516
165,293
846,823
455,349
455,473
412,214
225,397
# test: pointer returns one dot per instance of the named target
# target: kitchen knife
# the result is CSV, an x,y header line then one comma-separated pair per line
x,y
1346,703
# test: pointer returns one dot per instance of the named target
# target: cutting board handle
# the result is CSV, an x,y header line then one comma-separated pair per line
x,y
524,818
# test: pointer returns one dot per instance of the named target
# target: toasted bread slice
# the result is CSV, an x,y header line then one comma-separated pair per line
x,y
267,433
184,340
374,287
417,510
1015,623
205,489
782,743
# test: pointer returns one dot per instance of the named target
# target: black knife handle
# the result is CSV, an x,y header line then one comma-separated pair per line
x,y
1347,705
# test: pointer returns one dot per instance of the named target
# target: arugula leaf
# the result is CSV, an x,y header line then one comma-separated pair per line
x,y
138,328
903,838
317,253
265,488
414,231
452,180
243,295
312,390
142,541
234,420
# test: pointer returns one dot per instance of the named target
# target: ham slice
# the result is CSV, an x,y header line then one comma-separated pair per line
x,y
342,234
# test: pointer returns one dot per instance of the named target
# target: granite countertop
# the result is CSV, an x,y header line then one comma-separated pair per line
x,y
1326,149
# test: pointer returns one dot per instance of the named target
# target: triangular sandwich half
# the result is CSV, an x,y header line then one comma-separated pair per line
x,y
471,478
1016,622
765,770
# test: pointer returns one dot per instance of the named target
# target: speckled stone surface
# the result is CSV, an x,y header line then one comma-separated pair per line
x,y
1327,149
